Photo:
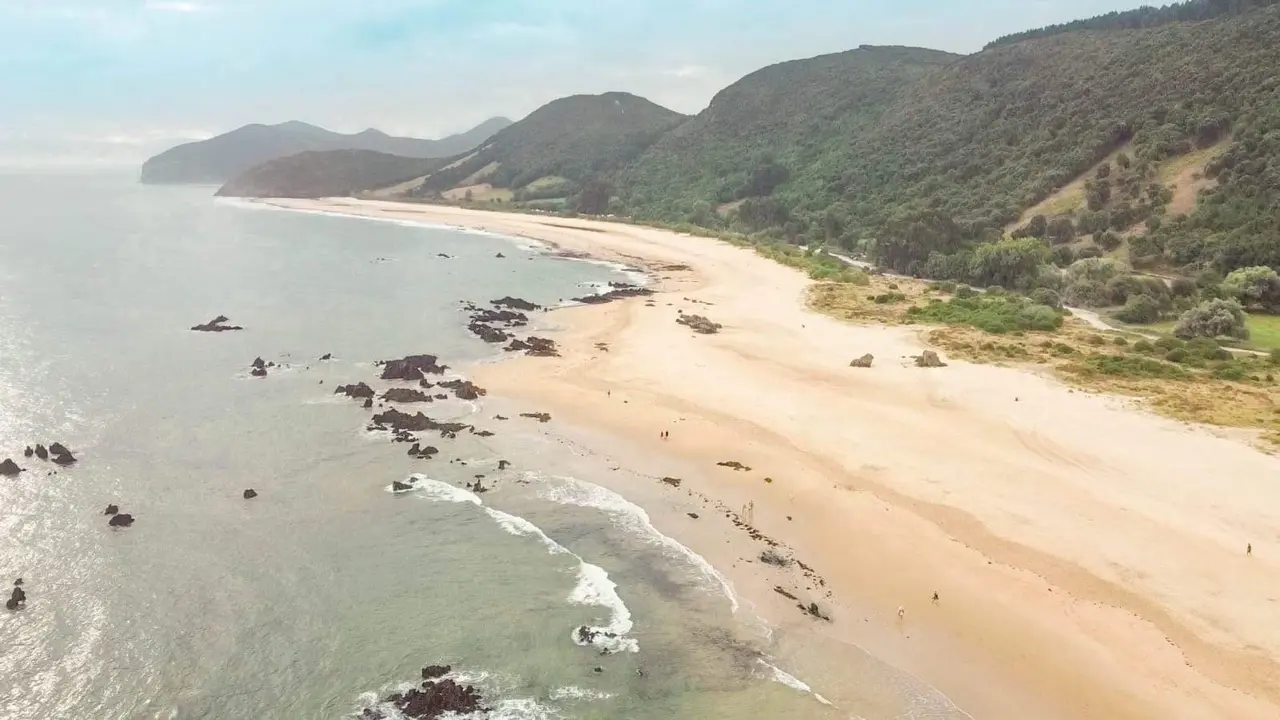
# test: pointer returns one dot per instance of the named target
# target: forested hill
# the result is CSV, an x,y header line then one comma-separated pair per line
x,y
780,128
1143,17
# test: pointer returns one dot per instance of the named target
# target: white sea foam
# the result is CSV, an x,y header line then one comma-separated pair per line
x,y
593,586
793,682
573,692
572,491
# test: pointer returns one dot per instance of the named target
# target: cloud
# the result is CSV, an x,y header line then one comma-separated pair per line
x,y
688,71
178,6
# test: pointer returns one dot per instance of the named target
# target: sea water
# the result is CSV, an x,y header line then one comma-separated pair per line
x,y
328,590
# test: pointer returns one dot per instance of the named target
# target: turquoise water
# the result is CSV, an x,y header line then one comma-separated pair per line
x,y
327,590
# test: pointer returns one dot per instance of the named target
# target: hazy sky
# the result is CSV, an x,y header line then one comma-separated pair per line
x,y
112,81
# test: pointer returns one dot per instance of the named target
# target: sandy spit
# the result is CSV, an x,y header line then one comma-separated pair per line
x,y
1089,556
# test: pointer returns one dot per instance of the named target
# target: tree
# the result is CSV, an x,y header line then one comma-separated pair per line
x,y
594,198
1123,161
1214,318
1255,287
1061,231
906,243
1013,263
1104,171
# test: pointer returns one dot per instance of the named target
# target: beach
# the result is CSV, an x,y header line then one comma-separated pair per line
x,y
1088,556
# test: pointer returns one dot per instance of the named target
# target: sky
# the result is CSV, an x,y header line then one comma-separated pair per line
x,y
105,82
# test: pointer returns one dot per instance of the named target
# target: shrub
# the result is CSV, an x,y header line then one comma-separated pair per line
x,y
1130,366
889,298
1121,287
1045,296
1183,287
1229,371
1095,340
1207,348
946,286
1139,309
1176,355
1120,340
1143,346
1213,318
1254,287
994,314
964,291
1274,357
1094,268
1086,293
1168,343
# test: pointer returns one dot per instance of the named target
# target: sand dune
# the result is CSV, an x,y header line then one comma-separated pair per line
x,y
1089,555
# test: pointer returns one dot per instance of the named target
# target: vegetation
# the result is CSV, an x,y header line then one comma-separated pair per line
x,y
993,313
326,174
1215,318
1143,17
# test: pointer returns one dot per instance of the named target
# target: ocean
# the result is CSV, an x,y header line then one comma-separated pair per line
x,y
327,591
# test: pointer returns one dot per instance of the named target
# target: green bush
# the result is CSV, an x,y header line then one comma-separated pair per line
x,y
1047,297
1214,318
1132,366
1168,343
1274,356
889,298
1086,293
1140,310
1207,348
964,291
1176,355
1229,371
994,314
1120,340
1143,346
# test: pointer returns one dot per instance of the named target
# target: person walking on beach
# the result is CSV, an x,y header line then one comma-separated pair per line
x,y
1248,550
902,612
935,597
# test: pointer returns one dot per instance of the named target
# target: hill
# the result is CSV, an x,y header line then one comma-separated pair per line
x,y
779,129
557,149
330,173
222,158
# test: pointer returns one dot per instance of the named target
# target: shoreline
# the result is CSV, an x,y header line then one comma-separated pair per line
x,y
1087,561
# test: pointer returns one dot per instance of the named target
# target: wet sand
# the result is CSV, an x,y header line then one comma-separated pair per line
x,y
1089,556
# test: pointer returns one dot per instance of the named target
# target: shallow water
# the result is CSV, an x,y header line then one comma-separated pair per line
x,y
327,590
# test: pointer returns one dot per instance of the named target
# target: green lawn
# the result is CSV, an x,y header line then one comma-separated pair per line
x,y
1264,331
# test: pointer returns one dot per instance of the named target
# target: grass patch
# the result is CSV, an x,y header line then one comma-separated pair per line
x,y
1264,331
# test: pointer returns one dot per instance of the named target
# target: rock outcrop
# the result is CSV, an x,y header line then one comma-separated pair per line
x,y
42,452
218,324
398,421
699,324
929,359
9,468
111,510
406,395
433,699
616,291
515,304
412,367
464,389
28,452
862,362
397,486
535,346
17,599
359,390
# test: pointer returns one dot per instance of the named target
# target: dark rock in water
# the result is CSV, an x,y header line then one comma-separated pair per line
x,y
616,291
482,433
17,582
62,458
111,510
444,255
17,599
500,417
258,363
250,494
9,468
402,421
699,324
516,345
597,669
28,452
42,452
514,303
326,356
435,699
397,486
411,367
405,395
368,403
504,464
258,372
487,333
541,347
499,255
539,416
58,449
464,389
121,520
359,390
428,451
218,324
734,464
432,672
414,449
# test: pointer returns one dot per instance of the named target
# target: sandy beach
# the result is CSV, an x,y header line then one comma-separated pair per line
x,y
1088,556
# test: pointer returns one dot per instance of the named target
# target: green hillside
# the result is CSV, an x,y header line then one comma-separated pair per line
x,y
332,173
573,140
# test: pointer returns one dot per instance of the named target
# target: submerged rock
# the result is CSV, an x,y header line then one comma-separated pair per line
x,y
503,464
111,510
120,520
250,494
218,324
432,672
326,356
61,458
411,367
9,468
28,452
397,486
359,390
405,395
17,599
258,372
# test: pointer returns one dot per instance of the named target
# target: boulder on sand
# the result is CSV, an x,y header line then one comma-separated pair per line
x,y
929,359
862,362
9,468
120,520
250,494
